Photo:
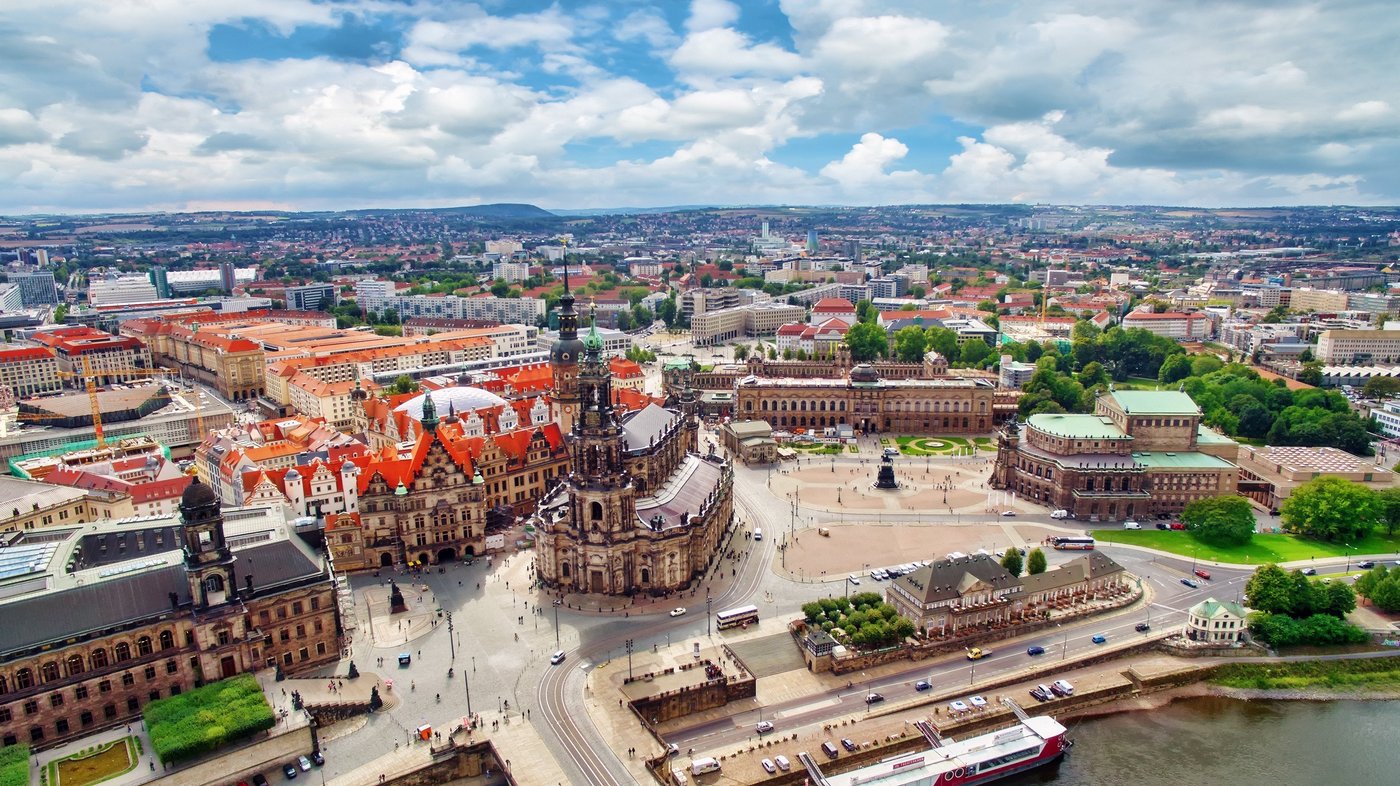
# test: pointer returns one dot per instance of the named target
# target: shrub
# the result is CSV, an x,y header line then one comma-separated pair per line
x,y
207,718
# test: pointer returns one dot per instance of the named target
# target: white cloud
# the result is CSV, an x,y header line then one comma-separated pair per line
x,y
709,14
645,25
724,52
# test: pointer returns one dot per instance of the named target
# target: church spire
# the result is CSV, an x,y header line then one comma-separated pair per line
x,y
430,417
568,318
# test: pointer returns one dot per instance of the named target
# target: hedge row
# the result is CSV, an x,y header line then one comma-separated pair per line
x,y
205,719
14,765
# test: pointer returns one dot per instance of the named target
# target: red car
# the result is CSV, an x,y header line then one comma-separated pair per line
x,y
1178,525
1203,573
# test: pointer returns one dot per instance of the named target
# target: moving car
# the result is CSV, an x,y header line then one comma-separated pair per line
x,y
1142,627
673,750
1309,571
922,685
871,698
977,653
850,745
1035,649
1008,513
957,705
1203,573
557,658
290,770
1190,583
763,727
1059,514
1131,525
977,701
1366,564
677,611
304,763
1099,638
768,766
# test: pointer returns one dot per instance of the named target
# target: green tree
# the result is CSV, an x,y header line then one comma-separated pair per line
x,y
1012,561
865,312
1332,508
500,288
741,351
1311,374
1035,562
974,351
1093,374
1390,510
1338,599
404,384
1270,590
1220,521
866,341
910,344
944,342
1381,387
1174,369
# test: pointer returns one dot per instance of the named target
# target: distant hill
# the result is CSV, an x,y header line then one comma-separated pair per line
x,y
494,210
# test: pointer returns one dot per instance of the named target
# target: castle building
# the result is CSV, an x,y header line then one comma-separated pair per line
x,y
1141,453
101,622
640,510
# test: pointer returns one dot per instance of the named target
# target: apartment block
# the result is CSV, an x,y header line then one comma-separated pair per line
x,y
1192,326
1358,346
759,319
89,353
29,371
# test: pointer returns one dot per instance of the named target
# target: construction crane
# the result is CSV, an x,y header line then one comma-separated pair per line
x,y
90,384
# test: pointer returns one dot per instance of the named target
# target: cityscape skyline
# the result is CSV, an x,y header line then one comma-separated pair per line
x,y
304,105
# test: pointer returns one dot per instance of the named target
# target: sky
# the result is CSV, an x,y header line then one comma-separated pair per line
x,y
132,105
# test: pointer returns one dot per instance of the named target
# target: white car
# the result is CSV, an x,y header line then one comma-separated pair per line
x,y
957,706
678,611
768,765
763,727
854,580
978,702
1008,513
557,658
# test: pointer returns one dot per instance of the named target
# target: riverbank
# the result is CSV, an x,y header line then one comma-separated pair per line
x,y
1343,680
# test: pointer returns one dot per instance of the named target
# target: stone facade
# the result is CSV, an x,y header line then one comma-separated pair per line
x,y
640,511
869,403
1138,455
197,622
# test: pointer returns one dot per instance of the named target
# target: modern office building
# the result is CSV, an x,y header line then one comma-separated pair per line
x,y
1193,326
751,321
1337,347
311,297
37,288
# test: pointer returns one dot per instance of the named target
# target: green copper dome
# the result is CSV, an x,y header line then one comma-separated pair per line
x,y
593,342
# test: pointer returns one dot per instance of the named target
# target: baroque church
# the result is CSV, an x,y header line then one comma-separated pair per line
x,y
641,510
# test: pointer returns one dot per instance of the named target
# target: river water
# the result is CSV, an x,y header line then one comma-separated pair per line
x,y
1211,741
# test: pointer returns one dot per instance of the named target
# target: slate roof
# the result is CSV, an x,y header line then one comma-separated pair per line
x,y
684,492
645,425
947,579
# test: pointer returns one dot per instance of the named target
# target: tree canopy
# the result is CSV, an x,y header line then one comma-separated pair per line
x,y
1035,562
1333,509
910,344
1381,586
867,341
1220,521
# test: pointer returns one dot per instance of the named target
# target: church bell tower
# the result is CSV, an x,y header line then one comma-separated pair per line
x,y
208,559
564,360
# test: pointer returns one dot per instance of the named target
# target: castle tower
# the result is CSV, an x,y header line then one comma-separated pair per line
x,y
208,559
564,360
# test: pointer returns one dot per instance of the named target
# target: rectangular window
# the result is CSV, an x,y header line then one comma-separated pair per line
x,y
171,667
61,726
155,694
104,686
286,658
110,711
55,699
80,692
175,689
31,707
4,715
128,680
301,631
85,718
284,635
315,604
296,607
281,612
150,673
301,653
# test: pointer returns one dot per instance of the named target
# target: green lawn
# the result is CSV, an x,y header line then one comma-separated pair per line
x,y
1261,549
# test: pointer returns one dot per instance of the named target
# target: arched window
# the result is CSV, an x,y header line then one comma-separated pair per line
x,y
143,644
215,583
564,568
99,658
595,511
167,639
646,576
4,686
24,678
123,651
50,671
748,406
75,664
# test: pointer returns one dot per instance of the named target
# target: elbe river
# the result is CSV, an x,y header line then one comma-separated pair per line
x,y
1208,741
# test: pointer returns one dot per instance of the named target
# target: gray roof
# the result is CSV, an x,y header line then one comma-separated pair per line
x,y
645,425
949,578
106,548
122,601
1089,566
684,492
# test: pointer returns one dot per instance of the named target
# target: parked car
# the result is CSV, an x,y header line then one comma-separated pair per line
x,y
1163,525
1178,525
290,770
678,611
830,750
782,762
872,698
1099,638
854,579
977,701
317,759
304,763
922,685
1366,564
1190,583
1061,688
763,727
1142,627
957,705
1035,649
1042,693
259,779
850,745
768,765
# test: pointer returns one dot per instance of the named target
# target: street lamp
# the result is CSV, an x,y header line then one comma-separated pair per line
x,y
708,618
450,645
629,660
1347,569
557,604
1064,647
467,682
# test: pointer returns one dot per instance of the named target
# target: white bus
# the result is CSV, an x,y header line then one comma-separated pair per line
x,y
741,616
1073,544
